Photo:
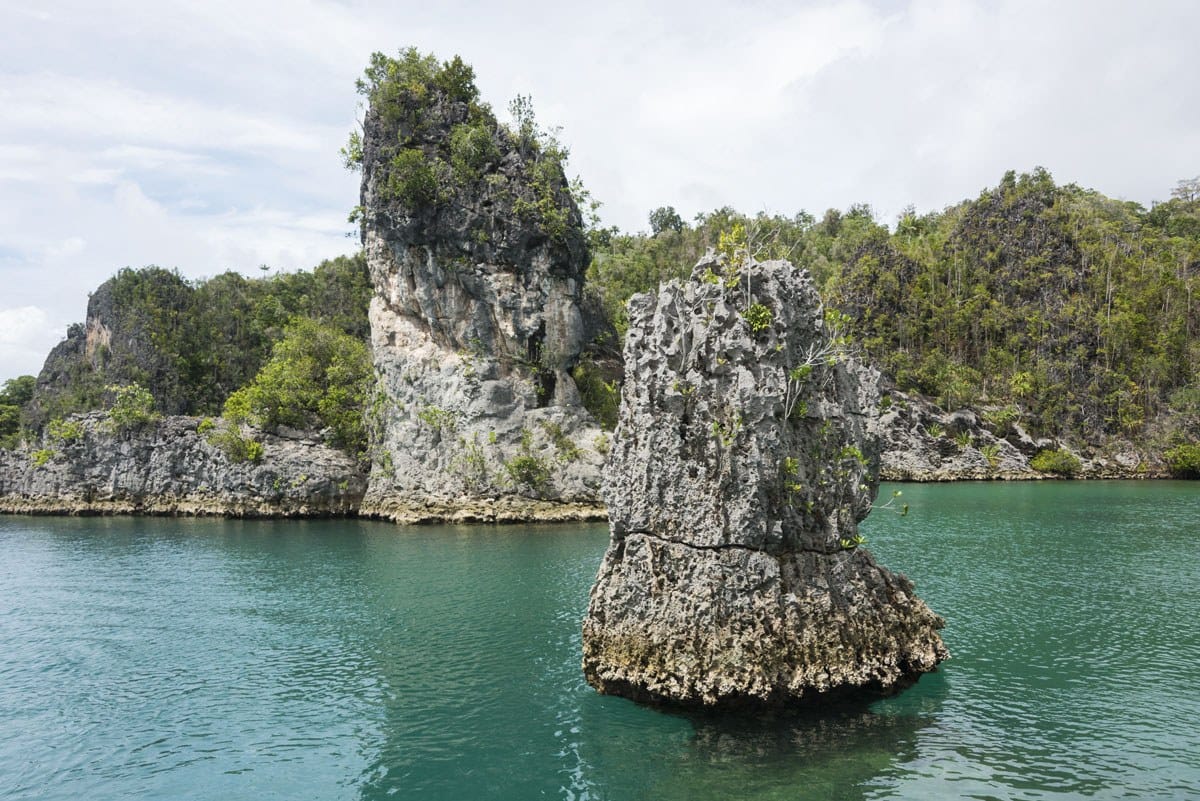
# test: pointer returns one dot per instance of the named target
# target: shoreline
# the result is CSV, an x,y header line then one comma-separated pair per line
x,y
474,512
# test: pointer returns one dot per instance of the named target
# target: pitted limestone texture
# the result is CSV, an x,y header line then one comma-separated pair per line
x,y
746,455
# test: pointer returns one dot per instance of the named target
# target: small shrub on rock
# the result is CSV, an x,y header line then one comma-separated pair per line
x,y
1058,462
132,407
1183,460
758,317
63,431
229,440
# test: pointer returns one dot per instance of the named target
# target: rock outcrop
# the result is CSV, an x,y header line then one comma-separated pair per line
x,y
746,454
167,467
477,255
116,345
922,442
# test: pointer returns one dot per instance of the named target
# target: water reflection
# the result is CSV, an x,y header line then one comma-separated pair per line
x,y
834,752
342,660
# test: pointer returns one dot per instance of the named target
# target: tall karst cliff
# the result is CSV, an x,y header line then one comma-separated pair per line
x,y
477,256
746,454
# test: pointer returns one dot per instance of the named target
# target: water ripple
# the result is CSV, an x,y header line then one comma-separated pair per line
x,y
225,659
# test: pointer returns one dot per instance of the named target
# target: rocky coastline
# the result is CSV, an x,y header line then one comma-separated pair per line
x,y
169,467
923,443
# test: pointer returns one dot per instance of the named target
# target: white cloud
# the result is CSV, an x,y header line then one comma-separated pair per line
x,y
26,335
19,325
203,135
86,109
68,248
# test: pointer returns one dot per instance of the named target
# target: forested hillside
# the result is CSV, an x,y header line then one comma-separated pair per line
x,y
1053,307
190,344
1069,312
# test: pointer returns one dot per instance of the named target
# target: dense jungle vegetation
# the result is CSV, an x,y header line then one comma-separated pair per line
x,y
1069,311
192,345
1055,306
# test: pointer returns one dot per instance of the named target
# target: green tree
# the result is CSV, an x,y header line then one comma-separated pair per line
x,y
132,407
665,218
14,396
191,344
317,377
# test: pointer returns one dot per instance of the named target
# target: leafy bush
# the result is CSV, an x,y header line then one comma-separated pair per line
x,y
14,395
237,449
413,179
1000,419
565,448
601,398
758,317
528,470
41,457
317,377
132,407
472,148
65,430
1184,460
1058,462
438,419
10,426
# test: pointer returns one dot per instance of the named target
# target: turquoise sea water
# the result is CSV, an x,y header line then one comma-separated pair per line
x,y
200,659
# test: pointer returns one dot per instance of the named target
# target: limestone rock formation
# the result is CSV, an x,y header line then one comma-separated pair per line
x,y
115,346
924,443
746,454
477,255
168,467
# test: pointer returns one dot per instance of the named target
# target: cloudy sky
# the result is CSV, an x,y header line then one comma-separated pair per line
x,y
204,135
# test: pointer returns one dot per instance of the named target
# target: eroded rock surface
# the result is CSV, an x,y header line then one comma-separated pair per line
x,y
746,454
477,320
168,467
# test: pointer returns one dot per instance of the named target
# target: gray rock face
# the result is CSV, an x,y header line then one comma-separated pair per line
x,y
923,443
476,325
169,468
746,454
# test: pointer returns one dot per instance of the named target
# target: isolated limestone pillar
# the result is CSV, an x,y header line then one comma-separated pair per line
x,y
745,458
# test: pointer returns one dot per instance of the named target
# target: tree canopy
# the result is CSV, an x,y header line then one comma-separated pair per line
x,y
1075,312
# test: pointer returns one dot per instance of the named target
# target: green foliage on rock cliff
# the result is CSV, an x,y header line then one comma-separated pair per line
x,y
1078,309
432,148
1078,313
189,344
132,407
14,395
1058,462
1184,460
237,448
317,377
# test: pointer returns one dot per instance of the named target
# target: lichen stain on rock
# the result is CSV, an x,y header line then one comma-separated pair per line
x,y
746,454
